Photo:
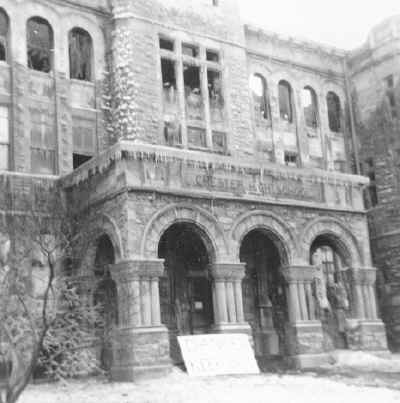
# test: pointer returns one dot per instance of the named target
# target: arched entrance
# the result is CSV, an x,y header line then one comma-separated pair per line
x,y
333,290
185,293
264,296
105,298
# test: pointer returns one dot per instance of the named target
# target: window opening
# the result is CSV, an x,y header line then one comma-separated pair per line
x,y
212,56
80,54
40,44
190,50
4,24
193,96
259,91
290,159
391,95
215,95
4,138
334,112
80,159
166,44
310,108
285,101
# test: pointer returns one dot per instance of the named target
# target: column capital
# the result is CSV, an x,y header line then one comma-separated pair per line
x,y
135,269
363,275
299,273
227,271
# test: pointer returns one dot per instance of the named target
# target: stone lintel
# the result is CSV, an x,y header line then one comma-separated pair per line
x,y
227,271
299,273
364,275
135,269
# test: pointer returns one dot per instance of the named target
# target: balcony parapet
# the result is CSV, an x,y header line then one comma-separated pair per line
x,y
169,170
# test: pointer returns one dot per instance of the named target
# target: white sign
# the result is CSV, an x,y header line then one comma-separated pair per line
x,y
218,354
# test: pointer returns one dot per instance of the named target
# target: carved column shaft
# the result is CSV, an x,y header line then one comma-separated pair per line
x,y
227,290
364,293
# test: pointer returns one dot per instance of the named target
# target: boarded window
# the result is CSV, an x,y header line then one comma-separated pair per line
x,y
40,44
334,112
4,138
259,91
4,24
285,101
310,107
80,54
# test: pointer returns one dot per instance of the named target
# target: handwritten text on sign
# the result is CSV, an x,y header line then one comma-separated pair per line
x,y
218,354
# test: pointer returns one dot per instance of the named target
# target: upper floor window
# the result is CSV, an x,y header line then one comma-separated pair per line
x,y
258,87
215,3
4,138
310,107
285,101
334,112
40,44
391,95
4,25
80,54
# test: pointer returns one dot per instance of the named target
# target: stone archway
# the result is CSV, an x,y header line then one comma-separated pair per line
x,y
269,222
176,213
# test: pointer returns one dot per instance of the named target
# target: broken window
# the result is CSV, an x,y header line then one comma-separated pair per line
x,y
4,138
3,35
290,159
166,44
212,56
390,95
190,50
310,107
259,91
40,44
334,112
193,95
80,54
285,101
215,95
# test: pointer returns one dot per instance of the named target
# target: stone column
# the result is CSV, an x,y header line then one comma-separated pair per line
x,y
227,298
365,331
303,332
141,343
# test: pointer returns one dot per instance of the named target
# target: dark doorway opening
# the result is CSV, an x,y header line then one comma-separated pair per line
x,y
264,295
185,293
334,290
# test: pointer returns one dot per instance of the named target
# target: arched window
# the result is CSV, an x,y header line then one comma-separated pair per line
x,y
40,44
310,106
258,88
334,112
80,54
285,101
4,26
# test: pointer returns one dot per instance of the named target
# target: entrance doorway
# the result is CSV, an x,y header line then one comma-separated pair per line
x,y
185,293
264,295
333,290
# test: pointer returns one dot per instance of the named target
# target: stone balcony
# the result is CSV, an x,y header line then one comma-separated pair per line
x,y
145,167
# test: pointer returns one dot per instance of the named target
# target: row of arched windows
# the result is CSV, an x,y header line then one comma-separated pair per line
x,y
40,47
286,105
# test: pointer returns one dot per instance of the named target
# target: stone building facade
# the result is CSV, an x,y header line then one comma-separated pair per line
x,y
221,162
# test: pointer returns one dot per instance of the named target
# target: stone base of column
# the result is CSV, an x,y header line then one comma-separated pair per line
x,y
304,338
367,335
140,352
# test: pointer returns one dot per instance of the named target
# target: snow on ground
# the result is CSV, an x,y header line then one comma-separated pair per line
x,y
178,387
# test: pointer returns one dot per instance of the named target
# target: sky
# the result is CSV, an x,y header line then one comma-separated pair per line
x,y
341,23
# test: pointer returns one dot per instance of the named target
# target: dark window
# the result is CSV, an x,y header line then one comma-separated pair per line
x,y
259,92
372,190
193,95
290,159
40,44
80,54
334,112
190,50
166,44
4,24
310,107
390,94
285,101
212,56
215,95
215,3
79,159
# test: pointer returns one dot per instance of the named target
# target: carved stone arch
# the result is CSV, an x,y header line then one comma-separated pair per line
x,y
181,213
338,234
264,220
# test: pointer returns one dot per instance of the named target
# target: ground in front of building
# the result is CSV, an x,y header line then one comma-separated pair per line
x,y
356,377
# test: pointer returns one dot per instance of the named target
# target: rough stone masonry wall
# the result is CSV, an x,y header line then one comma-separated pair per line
x,y
379,140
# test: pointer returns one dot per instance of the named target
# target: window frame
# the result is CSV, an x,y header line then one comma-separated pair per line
x,y
266,116
290,102
338,112
91,56
314,104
